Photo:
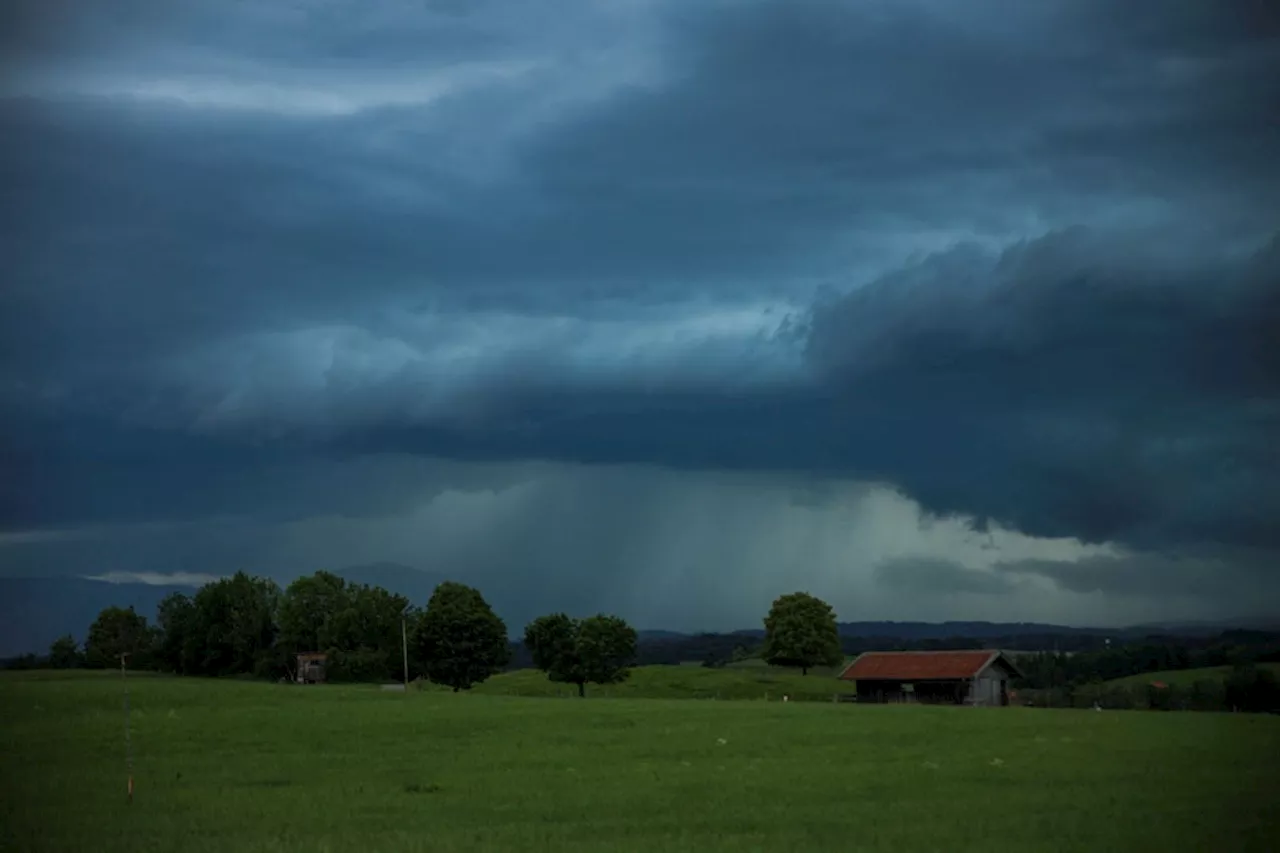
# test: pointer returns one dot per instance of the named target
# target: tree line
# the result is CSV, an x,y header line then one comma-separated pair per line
x,y
249,626
245,625
1046,670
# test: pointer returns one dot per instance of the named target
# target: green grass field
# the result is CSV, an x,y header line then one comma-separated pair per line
x,y
1186,677
759,664
226,766
681,682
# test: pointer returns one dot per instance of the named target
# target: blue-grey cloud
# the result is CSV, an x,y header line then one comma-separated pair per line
x,y
1246,578
938,576
1011,259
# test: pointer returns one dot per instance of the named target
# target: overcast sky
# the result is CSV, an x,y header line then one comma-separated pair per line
x,y
935,309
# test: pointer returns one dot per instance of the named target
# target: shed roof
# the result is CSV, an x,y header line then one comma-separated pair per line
x,y
922,666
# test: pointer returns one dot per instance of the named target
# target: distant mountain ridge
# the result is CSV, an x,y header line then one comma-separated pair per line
x,y
36,611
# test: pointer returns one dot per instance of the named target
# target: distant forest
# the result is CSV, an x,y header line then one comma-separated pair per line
x,y
249,626
1075,655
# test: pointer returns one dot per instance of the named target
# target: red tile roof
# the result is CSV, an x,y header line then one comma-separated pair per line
x,y
909,666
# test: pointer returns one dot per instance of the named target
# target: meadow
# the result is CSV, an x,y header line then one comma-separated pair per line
x,y
682,682
244,766
1186,677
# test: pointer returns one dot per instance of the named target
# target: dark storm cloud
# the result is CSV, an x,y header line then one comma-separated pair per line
x,y
78,470
1074,386
1220,582
172,249
1248,578
938,576
779,142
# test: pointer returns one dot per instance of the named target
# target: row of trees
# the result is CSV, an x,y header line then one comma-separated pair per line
x,y
1058,670
1245,688
245,625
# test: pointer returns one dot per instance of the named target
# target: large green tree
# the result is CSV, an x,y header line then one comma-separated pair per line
x,y
309,607
233,627
118,631
800,631
357,626
458,638
363,638
597,650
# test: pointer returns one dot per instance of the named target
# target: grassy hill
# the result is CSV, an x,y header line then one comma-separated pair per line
x,y
250,767
1185,677
680,682
817,671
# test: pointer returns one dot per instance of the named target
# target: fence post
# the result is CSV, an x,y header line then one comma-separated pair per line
x,y
128,747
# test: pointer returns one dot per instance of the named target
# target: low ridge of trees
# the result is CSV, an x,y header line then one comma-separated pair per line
x,y
356,625
245,625
597,650
227,628
65,653
1045,670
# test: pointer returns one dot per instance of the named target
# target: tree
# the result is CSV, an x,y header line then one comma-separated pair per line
x,y
179,647
606,649
233,625
459,639
356,625
552,643
801,631
64,653
363,637
1249,688
596,650
308,607
117,631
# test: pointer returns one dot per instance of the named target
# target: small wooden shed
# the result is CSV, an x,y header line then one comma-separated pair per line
x,y
311,667
950,678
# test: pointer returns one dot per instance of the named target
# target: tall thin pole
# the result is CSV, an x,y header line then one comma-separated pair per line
x,y
404,647
128,748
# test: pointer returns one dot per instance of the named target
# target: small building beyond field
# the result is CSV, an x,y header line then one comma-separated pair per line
x,y
311,667
940,678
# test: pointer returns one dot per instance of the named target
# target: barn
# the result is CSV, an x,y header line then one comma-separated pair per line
x,y
943,678
311,667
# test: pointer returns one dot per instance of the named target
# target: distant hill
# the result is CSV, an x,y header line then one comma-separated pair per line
x,y
943,630
1186,677
1207,629
947,630
660,635
36,611
1004,630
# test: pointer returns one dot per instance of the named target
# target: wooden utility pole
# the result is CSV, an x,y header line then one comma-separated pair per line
x,y
404,647
128,748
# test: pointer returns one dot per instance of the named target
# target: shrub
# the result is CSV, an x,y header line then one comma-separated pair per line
x,y
1248,688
